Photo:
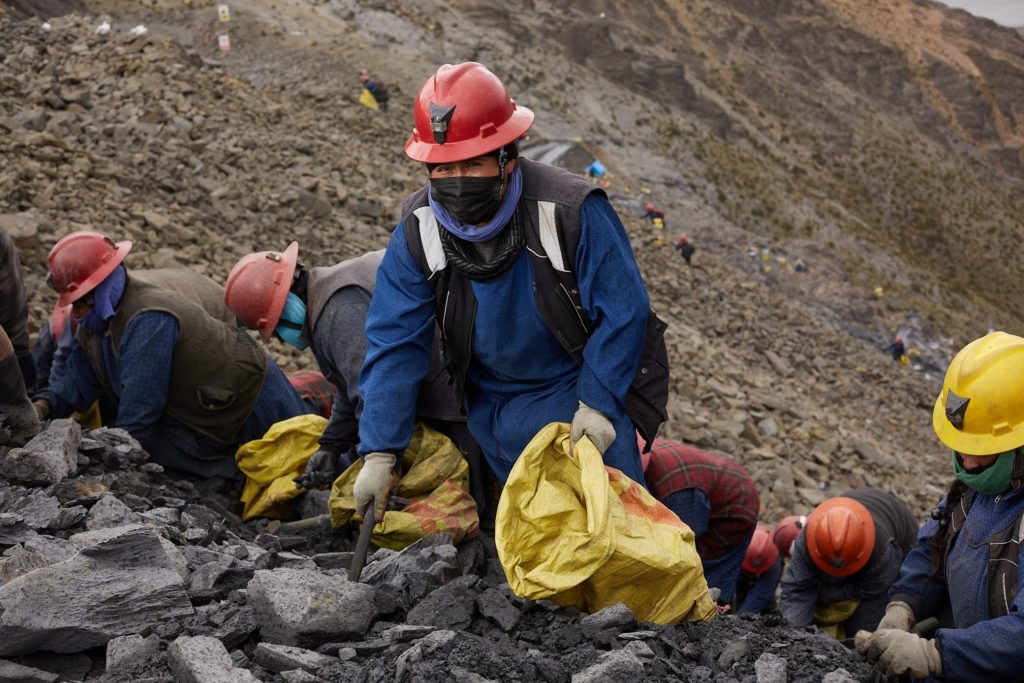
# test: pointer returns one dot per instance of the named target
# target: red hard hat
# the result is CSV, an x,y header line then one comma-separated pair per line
x,y
683,238
840,536
786,532
82,260
258,286
899,340
59,320
761,553
648,207
462,112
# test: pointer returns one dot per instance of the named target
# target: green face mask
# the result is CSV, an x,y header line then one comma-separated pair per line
x,y
993,480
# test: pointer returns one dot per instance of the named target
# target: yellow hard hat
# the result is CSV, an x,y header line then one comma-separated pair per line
x,y
981,408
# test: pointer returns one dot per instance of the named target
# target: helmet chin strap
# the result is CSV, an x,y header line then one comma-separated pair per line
x,y
502,160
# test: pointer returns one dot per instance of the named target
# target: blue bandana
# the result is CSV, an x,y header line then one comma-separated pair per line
x,y
106,296
483,233
293,317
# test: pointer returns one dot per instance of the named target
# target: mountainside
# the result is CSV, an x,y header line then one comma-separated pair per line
x,y
880,143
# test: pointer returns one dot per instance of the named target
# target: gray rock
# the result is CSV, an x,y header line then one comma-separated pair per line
x,y
18,561
641,650
128,652
423,649
612,667
300,676
53,549
222,578
403,633
838,676
116,587
110,512
733,652
49,457
770,668
278,658
38,510
305,608
25,225
16,673
616,616
493,605
451,606
434,555
90,538
13,529
201,659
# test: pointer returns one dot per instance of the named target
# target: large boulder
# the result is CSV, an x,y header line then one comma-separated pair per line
x,y
202,659
305,608
119,586
49,457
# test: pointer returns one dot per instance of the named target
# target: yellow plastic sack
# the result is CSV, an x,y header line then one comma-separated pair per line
x,y
577,532
269,465
367,99
831,617
435,480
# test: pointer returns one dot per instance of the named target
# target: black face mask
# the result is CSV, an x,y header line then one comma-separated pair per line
x,y
468,199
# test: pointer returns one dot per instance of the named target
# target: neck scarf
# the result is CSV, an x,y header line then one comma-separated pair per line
x,y
106,296
483,233
992,480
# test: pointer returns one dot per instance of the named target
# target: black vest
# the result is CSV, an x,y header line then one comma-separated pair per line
x,y
550,204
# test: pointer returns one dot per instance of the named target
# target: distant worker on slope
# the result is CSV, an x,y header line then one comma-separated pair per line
x,y
969,556
530,274
378,90
189,387
685,248
596,170
716,497
845,560
898,351
325,309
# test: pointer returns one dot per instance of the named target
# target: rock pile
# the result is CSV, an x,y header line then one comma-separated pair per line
x,y
130,575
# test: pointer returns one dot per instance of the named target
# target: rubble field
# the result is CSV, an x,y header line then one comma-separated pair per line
x,y
114,571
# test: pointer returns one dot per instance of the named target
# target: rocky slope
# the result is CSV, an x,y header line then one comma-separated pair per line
x,y
200,157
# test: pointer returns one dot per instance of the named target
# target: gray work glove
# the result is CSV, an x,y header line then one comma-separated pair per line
x,y
374,483
593,424
321,470
898,615
902,653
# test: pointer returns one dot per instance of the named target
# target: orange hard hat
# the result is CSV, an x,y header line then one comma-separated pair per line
x,y
258,287
59,320
786,532
464,111
761,553
840,536
80,261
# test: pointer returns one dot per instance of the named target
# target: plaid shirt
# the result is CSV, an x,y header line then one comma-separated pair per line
x,y
735,503
315,390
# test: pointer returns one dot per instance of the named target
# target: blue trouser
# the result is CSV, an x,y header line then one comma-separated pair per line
x,y
722,572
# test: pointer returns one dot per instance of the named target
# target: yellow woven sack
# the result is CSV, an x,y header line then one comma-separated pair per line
x,y
367,99
269,465
577,532
435,480
830,617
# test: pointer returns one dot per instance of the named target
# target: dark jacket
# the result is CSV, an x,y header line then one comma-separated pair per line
x,y
337,300
218,370
804,586
14,304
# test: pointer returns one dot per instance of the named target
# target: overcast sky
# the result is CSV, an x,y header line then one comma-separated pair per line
x,y
1009,12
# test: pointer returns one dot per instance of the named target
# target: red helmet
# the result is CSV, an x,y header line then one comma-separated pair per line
x,y
786,532
82,260
899,340
59,320
462,112
258,286
648,207
840,536
761,553
683,239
